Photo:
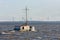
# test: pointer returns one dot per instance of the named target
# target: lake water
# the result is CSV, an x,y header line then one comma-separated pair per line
x,y
45,31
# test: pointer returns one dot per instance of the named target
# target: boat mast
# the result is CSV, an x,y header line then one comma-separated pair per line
x,y
26,16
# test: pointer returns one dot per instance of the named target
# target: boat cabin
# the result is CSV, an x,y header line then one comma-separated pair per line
x,y
24,28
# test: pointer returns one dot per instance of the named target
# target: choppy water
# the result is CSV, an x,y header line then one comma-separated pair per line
x,y
45,31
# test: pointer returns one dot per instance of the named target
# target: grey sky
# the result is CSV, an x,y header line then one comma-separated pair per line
x,y
39,9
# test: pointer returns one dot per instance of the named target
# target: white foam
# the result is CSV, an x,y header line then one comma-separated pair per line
x,y
5,33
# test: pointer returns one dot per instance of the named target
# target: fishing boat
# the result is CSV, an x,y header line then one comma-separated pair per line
x,y
25,26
